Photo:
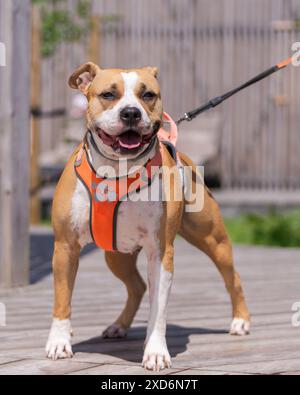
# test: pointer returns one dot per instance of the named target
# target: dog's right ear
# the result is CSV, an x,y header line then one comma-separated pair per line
x,y
82,78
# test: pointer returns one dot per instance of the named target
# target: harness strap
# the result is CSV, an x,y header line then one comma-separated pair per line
x,y
106,195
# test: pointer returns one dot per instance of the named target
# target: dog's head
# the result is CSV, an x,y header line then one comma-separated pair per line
x,y
124,107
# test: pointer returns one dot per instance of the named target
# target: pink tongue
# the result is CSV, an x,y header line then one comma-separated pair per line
x,y
129,140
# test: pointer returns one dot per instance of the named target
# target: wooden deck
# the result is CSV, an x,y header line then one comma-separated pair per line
x,y
199,317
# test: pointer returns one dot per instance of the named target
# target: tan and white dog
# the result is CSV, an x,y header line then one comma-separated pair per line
x,y
124,114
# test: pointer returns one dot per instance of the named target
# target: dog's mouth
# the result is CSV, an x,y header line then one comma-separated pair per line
x,y
130,140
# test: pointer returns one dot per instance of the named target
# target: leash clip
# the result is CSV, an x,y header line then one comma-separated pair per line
x,y
186,117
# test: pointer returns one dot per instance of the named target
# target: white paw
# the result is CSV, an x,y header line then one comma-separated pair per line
x,y
156,355
59,341
114,331
240,327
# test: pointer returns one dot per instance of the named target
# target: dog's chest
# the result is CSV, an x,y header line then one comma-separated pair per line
x,y
138,220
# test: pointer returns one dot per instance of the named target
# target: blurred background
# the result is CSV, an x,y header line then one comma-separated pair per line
x,y
249,145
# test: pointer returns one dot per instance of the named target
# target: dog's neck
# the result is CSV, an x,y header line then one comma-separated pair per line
x,y
106,167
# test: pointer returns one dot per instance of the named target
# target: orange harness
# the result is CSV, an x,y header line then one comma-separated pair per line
x,y
106,194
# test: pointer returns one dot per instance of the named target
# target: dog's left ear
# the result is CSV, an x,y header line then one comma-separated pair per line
x,y
153,71
82,78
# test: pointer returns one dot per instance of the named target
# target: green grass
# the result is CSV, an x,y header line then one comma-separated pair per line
x,y
270,230
273,229
45,222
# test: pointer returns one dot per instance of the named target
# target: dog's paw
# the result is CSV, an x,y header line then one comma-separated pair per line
x,y
59,341
240,327
156,356
114,331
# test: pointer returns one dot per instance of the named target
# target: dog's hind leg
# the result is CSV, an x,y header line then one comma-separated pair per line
x,y
206,230
124,267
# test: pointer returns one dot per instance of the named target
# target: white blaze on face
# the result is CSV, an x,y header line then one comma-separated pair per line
x,y
109,120
130,99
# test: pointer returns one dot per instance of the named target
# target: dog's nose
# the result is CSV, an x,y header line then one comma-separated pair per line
x,y
130,115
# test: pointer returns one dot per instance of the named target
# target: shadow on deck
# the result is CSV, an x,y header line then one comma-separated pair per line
x,y
132,349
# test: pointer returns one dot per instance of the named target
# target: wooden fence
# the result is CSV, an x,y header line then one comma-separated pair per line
x,y
204,48
14,147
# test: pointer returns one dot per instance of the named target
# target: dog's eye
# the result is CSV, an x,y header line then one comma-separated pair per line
x,y
108,95
147,96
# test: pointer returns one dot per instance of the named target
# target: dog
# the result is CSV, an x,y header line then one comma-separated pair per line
x,y
124,116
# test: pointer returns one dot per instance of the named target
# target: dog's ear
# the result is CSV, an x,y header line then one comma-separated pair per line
x,y
153,71
82,78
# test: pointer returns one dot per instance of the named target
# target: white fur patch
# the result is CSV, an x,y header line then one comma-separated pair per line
x,y
138,220
129,99
156,354
59,341
240,327
80,214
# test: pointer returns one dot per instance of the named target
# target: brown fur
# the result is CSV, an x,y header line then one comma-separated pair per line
x,y
204,229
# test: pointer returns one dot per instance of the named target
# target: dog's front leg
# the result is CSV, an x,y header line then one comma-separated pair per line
x,y
65,265
160,275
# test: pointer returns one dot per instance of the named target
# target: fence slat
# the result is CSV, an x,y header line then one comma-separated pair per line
x,y
14,148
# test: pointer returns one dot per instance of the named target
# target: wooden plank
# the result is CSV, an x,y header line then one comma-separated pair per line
x,y
269,367
42,367
120,370
203,372
6,360
14,132
198,319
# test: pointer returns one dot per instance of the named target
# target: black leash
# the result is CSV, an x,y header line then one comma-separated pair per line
x,y
189,116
